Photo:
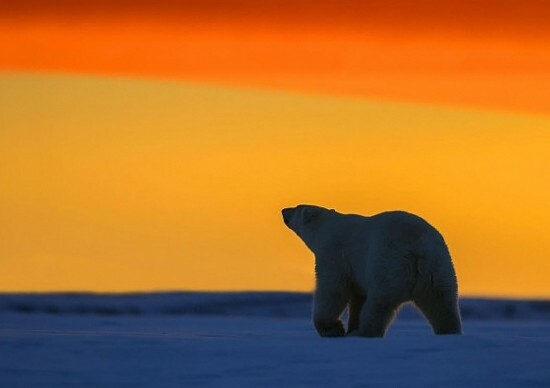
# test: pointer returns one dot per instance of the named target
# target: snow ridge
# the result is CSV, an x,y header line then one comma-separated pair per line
x,y
260,304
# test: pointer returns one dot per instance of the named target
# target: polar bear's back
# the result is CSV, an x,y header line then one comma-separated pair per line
x,y
398,235
397,228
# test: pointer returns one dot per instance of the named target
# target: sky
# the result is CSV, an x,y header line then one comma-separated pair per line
x,y
151,145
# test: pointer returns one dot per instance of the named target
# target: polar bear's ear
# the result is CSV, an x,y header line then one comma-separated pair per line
x,y
309,214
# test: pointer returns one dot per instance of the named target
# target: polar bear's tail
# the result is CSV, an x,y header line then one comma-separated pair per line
x,y
436,289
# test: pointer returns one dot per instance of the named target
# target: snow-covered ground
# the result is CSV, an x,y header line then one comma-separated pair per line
x,y
269,343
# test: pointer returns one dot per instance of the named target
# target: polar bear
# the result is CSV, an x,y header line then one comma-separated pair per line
x,y
374,265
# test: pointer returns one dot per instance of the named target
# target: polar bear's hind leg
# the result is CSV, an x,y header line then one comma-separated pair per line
x,y
436,289
441,310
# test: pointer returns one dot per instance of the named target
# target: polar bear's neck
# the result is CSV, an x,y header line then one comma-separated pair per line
x,y
331,236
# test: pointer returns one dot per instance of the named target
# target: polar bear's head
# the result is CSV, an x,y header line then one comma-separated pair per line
x,y
306,221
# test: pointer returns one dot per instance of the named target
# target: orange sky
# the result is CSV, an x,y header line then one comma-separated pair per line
x,y
149,145
488,54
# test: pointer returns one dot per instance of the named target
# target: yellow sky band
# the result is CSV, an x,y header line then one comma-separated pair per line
x,y
123,184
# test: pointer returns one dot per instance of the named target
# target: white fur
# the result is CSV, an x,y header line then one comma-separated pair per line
x,y
373,265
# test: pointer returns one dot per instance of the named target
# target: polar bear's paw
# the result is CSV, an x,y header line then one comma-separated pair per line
x,y
337,330
368,334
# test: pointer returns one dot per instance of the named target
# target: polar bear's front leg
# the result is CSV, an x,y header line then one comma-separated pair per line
x,y
328,306
355,305
376,315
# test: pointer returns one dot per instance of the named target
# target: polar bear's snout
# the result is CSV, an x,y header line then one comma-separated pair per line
x,y
287,215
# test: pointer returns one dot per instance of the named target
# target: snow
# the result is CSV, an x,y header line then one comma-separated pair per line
x,y
269,343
